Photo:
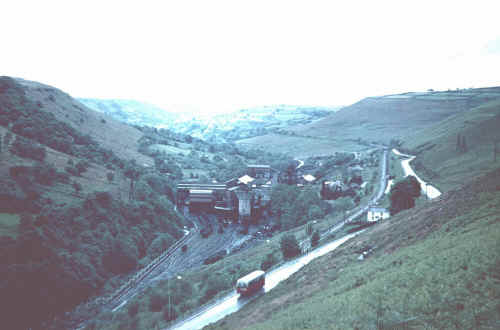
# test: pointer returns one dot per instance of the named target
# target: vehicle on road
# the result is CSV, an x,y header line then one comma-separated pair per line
x,y
251,283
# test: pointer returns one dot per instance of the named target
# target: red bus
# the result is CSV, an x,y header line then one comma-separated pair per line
x,y
251,283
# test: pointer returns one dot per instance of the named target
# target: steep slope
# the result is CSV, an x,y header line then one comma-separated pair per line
x,y
77,212
108,132
446,161
393,116
434,266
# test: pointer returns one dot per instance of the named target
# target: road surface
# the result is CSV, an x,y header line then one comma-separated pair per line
x,y
430,191
232,302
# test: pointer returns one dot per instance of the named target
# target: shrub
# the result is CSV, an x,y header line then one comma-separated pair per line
x,y
289,246
156,302
133,309
269,261
27,149
81,166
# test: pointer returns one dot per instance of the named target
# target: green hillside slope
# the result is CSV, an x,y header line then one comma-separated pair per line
x,y
440,157
432,267
76,210
378,119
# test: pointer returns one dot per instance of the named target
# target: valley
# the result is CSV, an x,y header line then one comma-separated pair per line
x,y
127,218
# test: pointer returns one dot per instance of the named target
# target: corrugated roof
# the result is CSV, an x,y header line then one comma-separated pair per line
x,y
200,191
260,166
200,200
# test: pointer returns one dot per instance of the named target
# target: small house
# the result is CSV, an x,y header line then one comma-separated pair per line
x,y
377,213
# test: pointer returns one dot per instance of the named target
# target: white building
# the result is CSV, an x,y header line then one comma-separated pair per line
x,y
377,213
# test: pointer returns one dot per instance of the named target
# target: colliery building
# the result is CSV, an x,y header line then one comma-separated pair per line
x,y
239,199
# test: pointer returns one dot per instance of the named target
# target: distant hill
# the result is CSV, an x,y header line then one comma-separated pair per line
x,y
375,119
394,116
221,127
135,112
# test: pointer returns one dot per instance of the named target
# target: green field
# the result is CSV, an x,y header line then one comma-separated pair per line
x,y
301,146
9,225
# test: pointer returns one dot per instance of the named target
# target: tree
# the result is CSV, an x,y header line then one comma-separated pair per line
x,y
343,204
403,194
289,246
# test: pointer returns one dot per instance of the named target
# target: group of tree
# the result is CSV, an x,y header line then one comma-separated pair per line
x,y
294,206
403,194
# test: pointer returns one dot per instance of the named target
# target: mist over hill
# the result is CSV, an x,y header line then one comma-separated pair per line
x,y
223,127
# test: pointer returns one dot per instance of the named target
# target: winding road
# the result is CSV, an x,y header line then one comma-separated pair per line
x,y
232,302
430,191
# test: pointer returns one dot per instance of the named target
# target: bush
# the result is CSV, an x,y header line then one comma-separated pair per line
x,y
289,246
156,302
27,149
133,309
269,261
81,166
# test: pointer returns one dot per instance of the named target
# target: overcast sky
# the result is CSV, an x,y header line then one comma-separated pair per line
x,y
223,55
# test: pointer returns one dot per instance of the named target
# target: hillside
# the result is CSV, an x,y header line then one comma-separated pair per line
x,y
378,119
86,200
135,112
77,213
434,266
221,127
442,161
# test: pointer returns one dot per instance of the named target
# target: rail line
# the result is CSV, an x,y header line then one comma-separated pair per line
x,y
141,275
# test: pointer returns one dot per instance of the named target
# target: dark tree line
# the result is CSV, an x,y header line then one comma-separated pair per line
x,y
404,193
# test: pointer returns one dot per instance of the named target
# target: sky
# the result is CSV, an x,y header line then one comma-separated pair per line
x,y
216,56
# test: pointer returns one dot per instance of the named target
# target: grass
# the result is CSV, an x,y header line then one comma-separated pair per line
x,y
439,162
301,146
9,225
433,267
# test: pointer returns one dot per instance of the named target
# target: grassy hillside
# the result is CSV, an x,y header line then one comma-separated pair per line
x,y
435,266
77,211
301,146
440,161
133,112
380,119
